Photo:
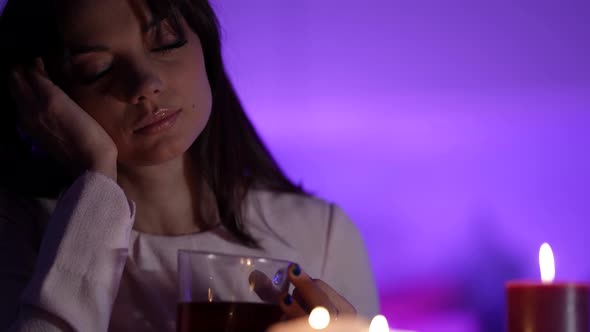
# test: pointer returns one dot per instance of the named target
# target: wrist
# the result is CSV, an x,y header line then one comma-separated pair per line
x,y
106,170
106,165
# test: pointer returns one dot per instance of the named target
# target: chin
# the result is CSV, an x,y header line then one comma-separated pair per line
x,y
156,160
161,150
155,156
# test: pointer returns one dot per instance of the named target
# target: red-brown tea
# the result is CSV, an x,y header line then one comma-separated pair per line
x,y
226,317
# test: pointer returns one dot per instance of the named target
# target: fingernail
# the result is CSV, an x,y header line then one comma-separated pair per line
x,y
288,299
296,270
40,64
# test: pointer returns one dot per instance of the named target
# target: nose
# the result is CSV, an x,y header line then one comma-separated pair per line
x,y
146,84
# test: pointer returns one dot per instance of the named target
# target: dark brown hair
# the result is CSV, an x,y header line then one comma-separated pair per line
x,y
229,153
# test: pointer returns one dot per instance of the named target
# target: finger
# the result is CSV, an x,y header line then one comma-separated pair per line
x,y
41,85
261,284
20,89
290,307
344,307
297,297
307,290
40,67
24,97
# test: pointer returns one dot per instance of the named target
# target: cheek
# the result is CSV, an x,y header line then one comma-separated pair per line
x,y
196,73
202,95
196,87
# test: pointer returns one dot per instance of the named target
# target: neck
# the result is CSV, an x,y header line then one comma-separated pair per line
x,y
167,196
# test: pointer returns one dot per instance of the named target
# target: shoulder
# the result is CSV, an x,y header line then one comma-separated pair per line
x,y
286,208
296,212
302,221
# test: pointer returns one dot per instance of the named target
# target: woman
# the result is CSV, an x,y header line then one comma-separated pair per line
x,y
124,142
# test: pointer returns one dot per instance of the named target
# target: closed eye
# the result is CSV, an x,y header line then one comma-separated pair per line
x,y
97,76
170,47
162,50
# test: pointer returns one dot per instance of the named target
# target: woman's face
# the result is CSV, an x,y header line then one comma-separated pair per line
x,y
141,81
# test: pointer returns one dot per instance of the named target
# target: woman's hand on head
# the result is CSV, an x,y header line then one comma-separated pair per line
x,y
310,293
59,125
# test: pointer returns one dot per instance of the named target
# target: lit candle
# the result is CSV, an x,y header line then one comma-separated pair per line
x,y
319,320
547,306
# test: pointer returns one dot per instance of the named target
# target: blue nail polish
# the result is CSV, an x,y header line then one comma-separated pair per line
x,y
288,299
296,270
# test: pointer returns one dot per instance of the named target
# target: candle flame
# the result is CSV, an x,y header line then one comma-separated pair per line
x,y
319,318
546,263
379,324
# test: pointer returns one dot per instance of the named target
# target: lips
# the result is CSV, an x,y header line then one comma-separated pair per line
x,y
160,120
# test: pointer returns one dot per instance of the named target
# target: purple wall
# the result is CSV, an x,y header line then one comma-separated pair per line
x,y
453,132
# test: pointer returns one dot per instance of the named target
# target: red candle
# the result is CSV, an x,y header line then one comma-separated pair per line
x,y
547,306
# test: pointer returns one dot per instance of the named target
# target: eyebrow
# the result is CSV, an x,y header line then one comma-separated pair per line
x,y
79,49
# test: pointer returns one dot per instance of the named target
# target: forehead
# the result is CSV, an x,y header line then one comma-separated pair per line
x,y
94,20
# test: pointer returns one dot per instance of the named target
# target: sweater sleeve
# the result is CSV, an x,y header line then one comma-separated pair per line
x,y
80,262
346,264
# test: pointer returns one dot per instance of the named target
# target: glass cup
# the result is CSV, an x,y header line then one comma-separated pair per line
x,y
228,293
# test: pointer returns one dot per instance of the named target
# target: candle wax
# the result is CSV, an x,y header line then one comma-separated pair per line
x,y
552,307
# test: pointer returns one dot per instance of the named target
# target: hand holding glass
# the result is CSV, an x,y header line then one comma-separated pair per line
x,y
219,292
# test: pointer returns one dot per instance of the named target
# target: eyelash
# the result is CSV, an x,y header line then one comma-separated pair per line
x,y
166,49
